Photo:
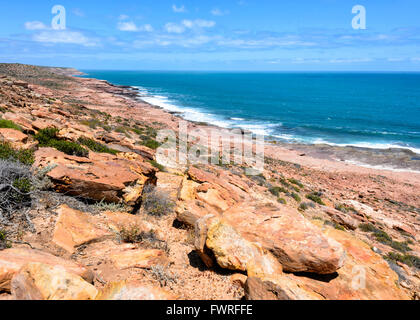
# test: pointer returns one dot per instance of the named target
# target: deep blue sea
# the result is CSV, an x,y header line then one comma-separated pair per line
x,y
377,110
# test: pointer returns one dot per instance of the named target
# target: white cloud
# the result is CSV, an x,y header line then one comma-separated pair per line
x,y
123,17
180,9
350,60
128,26
218,12
174,27
198,23
64,36
35,25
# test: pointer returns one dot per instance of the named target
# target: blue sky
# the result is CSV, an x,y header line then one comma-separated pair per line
x,y
268,35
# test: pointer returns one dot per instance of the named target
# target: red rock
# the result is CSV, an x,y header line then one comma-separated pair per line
x,y
293,240
11,260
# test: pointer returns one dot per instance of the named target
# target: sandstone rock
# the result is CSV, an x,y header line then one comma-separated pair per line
x,y
138,258
17,139
294,241
11,260
365,275
75,228
99,177
132,291
235,253
342,218
37,281
239,279
276,289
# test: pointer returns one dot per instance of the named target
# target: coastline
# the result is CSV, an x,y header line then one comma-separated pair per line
x,y
313,192
396,159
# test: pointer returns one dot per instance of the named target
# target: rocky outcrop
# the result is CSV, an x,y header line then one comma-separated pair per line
x,y
37,281
12,260
17,139
132,291
293,240
99,177
75,228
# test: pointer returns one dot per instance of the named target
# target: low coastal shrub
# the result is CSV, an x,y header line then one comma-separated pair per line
x,y
48,137
7,124
296,182
15,187
382,237
96,146
410,260
277,190
156,203
4,243
114,207
8,153
315,197
150,143
296,197
282,200
147,239
157,165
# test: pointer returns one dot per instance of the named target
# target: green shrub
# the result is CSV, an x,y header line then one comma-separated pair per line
x,y
296,197
23,156
282,200
96,146
385,238
48,138
9,125
315,197
296,182
4,243
157,165
150,143
367,227
156,203
303,206
410,260
277,190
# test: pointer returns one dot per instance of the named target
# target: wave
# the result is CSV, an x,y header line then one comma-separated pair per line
x,y
379,167
267,129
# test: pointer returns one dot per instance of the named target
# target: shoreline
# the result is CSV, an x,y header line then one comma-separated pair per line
x,y
393,159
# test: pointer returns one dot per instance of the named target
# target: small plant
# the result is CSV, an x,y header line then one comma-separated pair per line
x,y
150,143
48,138
96,146
23,156
410,260
303,206
315,197
161,274
277,190
296,182
385,238
4,243
296,197
156,203
157,165
113,207
282,200
8,124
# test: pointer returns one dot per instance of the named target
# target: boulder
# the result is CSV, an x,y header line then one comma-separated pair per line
x,y
293,240
365,275
342,218
75,228
100,177
12,260
17,139
37,281
138,258
132,291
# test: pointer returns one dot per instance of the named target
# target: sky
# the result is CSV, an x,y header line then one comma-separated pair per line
x,y
237,35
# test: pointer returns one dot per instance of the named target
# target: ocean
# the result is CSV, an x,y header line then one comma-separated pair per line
x,y
371,110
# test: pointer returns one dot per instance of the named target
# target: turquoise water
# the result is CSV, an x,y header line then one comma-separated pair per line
x,y
369,110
